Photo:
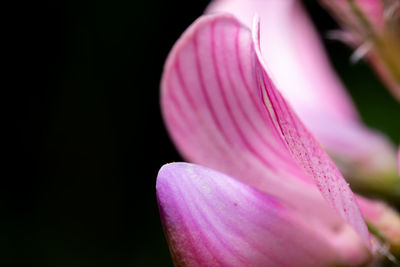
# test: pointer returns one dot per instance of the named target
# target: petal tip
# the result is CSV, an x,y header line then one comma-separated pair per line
x,y
167,173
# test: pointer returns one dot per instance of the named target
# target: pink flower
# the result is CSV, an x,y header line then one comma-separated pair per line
x,y
211,219
274,198
298,64
217,60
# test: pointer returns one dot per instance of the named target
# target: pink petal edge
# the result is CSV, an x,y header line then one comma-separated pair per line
x,y
216,117
211,219
205,112
290,47
306,150
382,217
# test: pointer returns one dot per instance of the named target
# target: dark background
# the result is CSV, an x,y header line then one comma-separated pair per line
x,y
87,132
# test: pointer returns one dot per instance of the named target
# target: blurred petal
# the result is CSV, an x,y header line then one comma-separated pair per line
x,y
291,48
385,220
353,146
378,175
306,150
211,219
213,108
216,117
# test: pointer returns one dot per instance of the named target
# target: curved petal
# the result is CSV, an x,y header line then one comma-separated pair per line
x,y
216,117
306,150
377,157
291,48
211,219
212,79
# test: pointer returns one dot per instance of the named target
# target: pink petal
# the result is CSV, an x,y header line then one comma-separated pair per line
x,y
385,219
291,48
356,160
306,150
216,116
211,219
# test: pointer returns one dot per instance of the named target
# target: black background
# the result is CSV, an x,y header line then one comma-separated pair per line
x,y
87,132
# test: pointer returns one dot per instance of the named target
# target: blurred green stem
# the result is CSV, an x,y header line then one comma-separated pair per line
x,y
386,47
386,187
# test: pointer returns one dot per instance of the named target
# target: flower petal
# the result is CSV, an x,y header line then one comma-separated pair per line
x,y
376,159
384,219
211,219
216,117
306,150
209,84
291,48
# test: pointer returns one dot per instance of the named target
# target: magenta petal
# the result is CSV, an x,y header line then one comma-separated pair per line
x,y
383,218
216,117
211,219
306,150
291,48
355,159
